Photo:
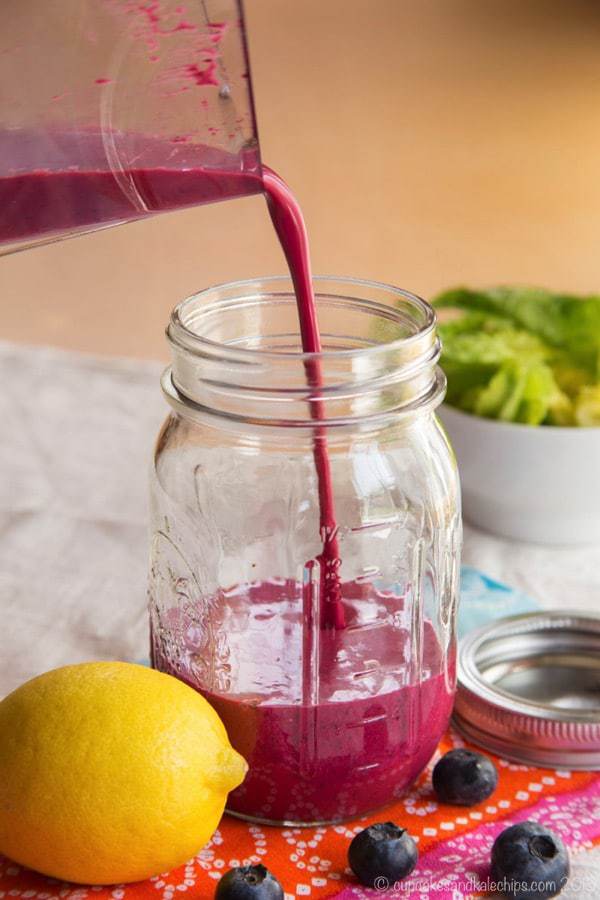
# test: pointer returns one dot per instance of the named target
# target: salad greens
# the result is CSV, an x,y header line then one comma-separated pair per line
x,y
522,354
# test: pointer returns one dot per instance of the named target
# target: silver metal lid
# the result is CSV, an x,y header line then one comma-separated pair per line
x,y
529,689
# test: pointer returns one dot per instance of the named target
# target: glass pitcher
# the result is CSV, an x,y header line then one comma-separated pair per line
x,y
334,722
112,110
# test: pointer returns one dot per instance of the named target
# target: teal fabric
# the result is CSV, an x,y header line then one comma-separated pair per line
x,y
483,599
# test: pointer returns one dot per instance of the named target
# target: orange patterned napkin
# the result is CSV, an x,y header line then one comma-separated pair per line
x,y
454,844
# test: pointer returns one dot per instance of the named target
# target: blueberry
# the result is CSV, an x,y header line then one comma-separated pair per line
x,y
382,851
463,777
530,862
248,883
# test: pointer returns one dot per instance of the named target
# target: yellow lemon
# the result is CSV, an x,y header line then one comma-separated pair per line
x,y
110,772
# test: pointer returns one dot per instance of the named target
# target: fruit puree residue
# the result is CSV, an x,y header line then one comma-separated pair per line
x,y
152,24
377,713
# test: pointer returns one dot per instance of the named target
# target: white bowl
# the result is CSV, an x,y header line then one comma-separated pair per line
x,y
539,484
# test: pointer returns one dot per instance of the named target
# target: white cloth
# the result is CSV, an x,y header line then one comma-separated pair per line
x,y
75,447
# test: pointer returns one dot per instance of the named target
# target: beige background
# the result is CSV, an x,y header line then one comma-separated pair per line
x,y
429,141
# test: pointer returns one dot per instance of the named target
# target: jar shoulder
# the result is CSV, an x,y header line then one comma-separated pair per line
x,y
415,459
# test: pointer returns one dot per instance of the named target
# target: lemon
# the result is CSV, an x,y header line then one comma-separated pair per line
x,y
110,772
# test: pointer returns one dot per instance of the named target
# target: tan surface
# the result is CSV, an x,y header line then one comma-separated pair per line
x,y
430,142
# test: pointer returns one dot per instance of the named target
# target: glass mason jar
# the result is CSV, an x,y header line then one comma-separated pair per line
x,y
336,715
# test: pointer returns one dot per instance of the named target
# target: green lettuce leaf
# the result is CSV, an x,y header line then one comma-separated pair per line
x,y
526,393
475,348
563,321
587,406
522,354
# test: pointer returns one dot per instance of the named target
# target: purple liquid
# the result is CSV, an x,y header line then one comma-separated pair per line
x,y
291,231
44,194
55,184
377,720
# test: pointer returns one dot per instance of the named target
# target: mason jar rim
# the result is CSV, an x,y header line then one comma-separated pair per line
x,y
179,333
386,366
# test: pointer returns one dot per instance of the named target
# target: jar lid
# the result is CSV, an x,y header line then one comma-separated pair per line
x,y
529,689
